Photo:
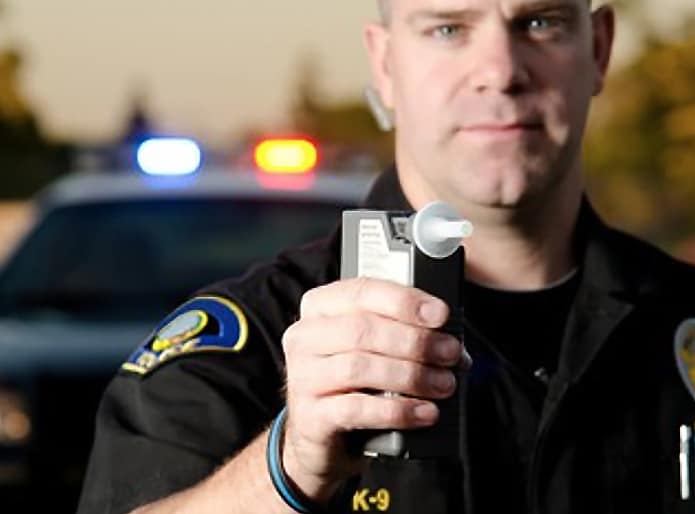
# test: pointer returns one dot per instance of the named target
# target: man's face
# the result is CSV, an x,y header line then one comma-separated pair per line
x,y
490,96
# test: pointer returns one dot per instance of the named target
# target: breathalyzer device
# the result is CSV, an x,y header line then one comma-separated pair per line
x,y
422,250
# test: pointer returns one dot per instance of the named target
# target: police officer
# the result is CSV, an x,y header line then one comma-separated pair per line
x,y
571,396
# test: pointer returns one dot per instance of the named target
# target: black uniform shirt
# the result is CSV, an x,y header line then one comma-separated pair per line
x,y
524,329
605,440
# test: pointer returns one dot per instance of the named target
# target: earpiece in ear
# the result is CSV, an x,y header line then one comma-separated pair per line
x,y
382,115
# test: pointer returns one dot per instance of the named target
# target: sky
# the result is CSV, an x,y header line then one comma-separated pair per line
x,y
208,67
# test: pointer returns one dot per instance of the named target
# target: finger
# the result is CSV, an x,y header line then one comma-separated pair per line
x,y
347,373
359,411
372,333
391,300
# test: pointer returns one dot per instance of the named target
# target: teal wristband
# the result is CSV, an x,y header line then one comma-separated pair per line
x,y
293,497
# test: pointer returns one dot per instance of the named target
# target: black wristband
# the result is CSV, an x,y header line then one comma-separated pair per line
x,y
293,497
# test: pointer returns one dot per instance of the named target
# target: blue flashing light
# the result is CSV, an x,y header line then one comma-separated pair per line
x,y
169,156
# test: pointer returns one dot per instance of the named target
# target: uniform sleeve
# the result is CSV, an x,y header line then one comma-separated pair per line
x,y
188,399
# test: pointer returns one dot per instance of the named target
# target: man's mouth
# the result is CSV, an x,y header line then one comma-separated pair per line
x,y
503,127
504,130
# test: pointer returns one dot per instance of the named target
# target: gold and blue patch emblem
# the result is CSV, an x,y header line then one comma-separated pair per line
x,y
206,323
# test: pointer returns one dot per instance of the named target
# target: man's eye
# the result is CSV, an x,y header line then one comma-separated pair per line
x,y
543,24
539,23
446,31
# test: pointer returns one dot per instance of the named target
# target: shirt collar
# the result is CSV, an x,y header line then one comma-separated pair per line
x,y
387,193
605,256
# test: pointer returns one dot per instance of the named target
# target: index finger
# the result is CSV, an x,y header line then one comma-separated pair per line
x,y
383,297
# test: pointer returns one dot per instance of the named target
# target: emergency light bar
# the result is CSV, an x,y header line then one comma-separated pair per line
x,y
169,156
286,156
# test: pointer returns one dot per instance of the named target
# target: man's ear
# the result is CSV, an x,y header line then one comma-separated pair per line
x,y
377,39
603,23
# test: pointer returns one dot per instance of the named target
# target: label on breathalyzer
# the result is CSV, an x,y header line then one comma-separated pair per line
x,y
376,260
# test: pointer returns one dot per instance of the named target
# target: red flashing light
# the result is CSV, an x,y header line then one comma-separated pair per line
x,y
286,156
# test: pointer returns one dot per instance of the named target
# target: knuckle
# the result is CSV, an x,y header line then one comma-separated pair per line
x,y
287,338
393,414
307,302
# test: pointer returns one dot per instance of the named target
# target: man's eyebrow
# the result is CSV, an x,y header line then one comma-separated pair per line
x,y
568,6
430,15
471,15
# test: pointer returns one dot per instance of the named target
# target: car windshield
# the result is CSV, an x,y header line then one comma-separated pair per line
x,y
139,259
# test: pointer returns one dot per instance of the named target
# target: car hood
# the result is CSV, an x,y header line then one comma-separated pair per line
x,y
29,346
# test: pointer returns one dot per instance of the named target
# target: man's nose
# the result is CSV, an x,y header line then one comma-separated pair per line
x,y
496,63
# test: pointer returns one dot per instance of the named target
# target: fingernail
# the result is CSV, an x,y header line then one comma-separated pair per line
x,y
447,348
432,312
442,381
425,412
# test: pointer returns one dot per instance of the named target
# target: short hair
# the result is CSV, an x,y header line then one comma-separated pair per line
x,y
385,10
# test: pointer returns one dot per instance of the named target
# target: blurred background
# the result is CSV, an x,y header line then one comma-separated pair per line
x,y
83,83
78,73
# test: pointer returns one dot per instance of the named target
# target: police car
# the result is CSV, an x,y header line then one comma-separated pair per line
x,y
108,256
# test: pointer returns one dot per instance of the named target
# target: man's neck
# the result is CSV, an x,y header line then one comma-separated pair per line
x,y
518,249
522,257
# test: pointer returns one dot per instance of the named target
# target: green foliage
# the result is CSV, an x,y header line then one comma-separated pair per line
x,y
27,160
640,151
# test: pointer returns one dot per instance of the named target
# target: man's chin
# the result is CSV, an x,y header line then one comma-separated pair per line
x,y
499,184
499,191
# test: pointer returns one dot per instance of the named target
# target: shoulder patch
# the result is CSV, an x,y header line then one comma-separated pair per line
x,y
203,324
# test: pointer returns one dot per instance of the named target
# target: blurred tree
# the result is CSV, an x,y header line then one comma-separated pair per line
x,y
13,108
347,125
640,151
27,160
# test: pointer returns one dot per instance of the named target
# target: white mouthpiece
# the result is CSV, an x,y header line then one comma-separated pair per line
x,y
437,230
442,229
